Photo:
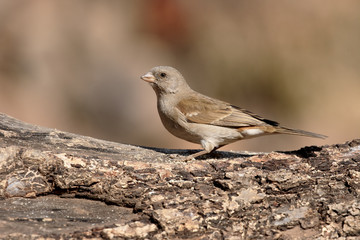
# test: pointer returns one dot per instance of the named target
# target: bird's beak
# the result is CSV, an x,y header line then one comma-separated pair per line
x,y
149,77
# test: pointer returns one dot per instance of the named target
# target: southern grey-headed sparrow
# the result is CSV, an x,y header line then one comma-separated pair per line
x,y
197,118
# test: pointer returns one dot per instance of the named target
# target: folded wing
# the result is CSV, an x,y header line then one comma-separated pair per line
x,y
214,112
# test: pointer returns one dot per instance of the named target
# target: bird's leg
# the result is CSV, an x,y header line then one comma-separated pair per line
x,y
200,153
195,155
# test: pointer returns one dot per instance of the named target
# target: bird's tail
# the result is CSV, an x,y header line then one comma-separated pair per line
x,y
285,130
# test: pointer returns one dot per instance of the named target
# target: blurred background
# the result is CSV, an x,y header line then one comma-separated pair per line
x,y
75,65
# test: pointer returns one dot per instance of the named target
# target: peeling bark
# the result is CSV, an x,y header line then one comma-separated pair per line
x,y
62,185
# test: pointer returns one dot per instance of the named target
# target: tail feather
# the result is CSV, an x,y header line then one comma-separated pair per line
x,y
285,130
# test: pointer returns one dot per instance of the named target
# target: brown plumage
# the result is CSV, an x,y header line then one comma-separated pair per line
x,y
207,121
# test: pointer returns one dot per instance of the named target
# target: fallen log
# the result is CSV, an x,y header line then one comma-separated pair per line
x,y
63,185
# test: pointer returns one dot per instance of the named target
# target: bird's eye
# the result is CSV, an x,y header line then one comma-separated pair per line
x,y
162,74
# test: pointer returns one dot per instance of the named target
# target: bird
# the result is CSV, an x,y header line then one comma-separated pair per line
x,y
203,120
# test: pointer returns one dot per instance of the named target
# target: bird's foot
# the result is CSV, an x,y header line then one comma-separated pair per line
x,y
195,155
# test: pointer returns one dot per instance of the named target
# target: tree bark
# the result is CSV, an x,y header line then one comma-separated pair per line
x,y
61,185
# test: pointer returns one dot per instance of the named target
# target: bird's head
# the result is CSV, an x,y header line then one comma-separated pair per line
x,y
165,80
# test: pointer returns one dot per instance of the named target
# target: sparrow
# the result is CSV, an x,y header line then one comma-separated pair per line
x,y
200,119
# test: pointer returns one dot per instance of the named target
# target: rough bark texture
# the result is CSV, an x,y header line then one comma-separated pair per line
x,y
61,185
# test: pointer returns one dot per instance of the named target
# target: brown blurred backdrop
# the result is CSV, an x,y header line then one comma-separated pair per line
x,y
75,65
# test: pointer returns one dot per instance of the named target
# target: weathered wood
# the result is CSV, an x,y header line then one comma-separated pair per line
x,y
55,184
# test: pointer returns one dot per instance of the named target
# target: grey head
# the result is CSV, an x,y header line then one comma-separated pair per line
x,y
165,80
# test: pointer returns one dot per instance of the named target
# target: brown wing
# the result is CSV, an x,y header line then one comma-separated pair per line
x,y
205,110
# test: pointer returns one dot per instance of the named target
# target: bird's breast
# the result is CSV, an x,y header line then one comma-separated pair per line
x,y
175,122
